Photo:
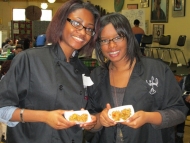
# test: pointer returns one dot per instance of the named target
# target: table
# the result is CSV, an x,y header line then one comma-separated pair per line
x,y
3,58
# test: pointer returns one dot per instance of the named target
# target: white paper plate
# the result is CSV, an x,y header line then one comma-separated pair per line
x,y
119,110
76,116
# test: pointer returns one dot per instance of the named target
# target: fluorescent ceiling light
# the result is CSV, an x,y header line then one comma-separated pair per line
x,y
44,5
51,1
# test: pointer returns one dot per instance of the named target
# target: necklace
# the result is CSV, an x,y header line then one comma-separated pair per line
x,y
118,99
119,138
114,88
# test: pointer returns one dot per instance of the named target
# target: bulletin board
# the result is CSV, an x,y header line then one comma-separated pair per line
x,y
21,29
133,14
39,27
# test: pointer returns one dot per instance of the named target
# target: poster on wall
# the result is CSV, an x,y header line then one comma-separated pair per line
x,y
15,26
135,14
15,31
178,8
159,11
132,6
158,30
21,29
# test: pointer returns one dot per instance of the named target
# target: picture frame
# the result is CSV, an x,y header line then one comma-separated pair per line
x,y
158,30
132,6
178,8
144,3
163,10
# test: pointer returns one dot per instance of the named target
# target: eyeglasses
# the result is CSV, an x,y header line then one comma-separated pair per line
x,y
79,26
115,40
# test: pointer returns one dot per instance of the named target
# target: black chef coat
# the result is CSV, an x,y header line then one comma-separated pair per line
x,y
41,79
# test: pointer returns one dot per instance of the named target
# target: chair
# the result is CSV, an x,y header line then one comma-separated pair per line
x,y
41,40
163,43
138,38
89,62
180,43
146,43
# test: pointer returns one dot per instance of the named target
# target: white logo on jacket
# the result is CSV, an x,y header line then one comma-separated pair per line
x,y
153,82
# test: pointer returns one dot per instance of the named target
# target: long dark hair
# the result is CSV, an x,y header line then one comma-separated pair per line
x,y
123,28
56,26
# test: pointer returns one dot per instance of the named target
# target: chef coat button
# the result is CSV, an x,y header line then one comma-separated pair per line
x,y
61,87
58,64
76,70
80,92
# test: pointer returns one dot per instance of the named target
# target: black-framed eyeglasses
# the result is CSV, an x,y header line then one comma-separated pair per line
x,y
79,26
115,40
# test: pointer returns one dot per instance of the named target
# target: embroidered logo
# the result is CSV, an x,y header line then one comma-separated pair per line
x,y
153,82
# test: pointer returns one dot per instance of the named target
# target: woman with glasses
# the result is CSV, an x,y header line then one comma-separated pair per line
x,y
42,83
126,78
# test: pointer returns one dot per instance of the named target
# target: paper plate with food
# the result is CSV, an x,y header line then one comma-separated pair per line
x,y
121,113
79,117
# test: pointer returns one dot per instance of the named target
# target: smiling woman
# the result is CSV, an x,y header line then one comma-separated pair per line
x,y
57,77
127,78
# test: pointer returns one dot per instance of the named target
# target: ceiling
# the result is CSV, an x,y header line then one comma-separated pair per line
x,y
57,1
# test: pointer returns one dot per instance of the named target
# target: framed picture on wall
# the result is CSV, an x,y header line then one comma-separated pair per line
x,y
144,3
132,6
158,30
159,11
178,8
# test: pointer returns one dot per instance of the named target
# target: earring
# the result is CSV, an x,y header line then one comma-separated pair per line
x,y
106,59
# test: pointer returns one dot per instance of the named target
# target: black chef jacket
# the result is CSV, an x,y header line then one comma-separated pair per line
x,y
41,79
152,87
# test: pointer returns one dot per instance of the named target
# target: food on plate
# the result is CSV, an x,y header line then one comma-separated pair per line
x,y
81,116
116,115
123,114
78,118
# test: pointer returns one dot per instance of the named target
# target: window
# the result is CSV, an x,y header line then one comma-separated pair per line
x,y
46,15
19,14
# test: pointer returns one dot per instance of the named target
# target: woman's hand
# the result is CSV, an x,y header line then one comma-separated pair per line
x,y
57,121
104,119
89,125
137,120
187,99
141,117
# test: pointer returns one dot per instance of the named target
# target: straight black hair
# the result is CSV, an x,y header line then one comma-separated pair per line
x,y
123,28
